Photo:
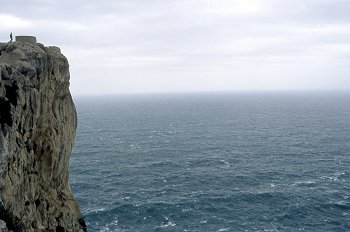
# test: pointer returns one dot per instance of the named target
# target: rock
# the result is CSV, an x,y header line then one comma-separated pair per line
x,y
37,128
3,227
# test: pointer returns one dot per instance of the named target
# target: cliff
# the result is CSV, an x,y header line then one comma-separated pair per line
x,y
38,122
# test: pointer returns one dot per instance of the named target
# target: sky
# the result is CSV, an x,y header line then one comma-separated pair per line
x,y
156,46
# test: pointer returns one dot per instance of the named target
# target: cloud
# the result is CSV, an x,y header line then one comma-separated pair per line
x,y
167,45
227,8
11,22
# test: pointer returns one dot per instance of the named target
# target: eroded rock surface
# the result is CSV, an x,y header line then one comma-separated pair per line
x,y
38,122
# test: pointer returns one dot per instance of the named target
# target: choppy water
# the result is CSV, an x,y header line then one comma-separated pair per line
x,y
219,162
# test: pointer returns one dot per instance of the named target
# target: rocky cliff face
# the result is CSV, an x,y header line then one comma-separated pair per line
x,y
38,123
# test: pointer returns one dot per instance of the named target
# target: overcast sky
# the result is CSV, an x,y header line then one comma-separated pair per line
x,y
138,46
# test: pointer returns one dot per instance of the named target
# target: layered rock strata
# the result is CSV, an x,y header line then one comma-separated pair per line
x,y
37,128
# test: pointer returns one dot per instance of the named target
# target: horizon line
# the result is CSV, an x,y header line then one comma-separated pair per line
x,y
214,92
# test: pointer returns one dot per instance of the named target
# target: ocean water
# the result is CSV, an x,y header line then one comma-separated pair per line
x,y
214,162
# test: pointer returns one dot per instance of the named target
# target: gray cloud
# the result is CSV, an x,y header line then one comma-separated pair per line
x,y
184,45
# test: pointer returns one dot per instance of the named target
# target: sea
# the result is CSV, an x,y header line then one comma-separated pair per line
x,y
241,161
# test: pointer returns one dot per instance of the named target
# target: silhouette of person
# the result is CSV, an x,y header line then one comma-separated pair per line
x,y
11,37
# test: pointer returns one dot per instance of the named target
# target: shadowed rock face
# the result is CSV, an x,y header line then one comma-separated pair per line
x,y
37,128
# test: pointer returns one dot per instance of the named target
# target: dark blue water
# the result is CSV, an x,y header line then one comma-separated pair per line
x,y
214,162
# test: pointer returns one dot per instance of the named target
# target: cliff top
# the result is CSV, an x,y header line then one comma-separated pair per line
x,y
11,52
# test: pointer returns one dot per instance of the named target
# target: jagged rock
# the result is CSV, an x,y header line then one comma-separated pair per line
x,y
3,227
38,122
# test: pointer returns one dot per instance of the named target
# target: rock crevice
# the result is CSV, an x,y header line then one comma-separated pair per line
x,y
38,122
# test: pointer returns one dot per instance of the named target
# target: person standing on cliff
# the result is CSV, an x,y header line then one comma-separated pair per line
x,y
11,37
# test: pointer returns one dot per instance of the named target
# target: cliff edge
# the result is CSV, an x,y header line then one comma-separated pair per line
x,y
37,128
